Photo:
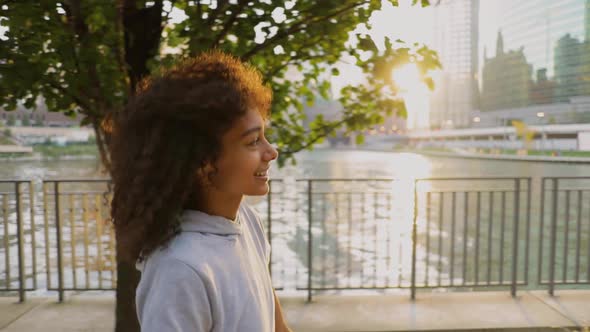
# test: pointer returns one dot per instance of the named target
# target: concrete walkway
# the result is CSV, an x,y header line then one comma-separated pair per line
x,y
530,311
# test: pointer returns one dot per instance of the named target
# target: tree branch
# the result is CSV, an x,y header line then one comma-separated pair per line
x,y
119,46
214,14
292,61
7,2
229,23
83,104
101,143
296,27
326,130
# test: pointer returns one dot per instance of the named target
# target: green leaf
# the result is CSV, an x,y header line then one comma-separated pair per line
x,y
359,139
84,70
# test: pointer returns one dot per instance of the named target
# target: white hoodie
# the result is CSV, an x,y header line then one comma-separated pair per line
x,y
213,276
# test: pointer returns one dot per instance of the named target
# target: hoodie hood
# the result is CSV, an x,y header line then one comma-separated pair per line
x,y
201,222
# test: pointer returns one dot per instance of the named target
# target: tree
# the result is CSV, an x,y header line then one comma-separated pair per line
x,y
25,120
86,57
11,121
525,133
38,120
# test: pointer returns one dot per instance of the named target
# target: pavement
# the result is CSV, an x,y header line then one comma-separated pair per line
x,y
569,310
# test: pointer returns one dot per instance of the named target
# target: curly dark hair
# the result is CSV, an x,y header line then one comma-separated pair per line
x,y
170,129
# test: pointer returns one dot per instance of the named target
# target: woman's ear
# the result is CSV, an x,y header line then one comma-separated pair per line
x,y
205,174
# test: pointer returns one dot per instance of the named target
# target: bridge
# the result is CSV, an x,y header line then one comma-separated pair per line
x,y
558,136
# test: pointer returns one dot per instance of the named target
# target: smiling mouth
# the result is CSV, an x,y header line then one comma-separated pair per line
x,y
261,174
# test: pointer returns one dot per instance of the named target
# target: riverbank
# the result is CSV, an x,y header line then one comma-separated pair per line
x,y
567,157
48,152
502,156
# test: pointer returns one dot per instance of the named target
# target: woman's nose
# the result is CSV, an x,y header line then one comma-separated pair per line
x,y
272,152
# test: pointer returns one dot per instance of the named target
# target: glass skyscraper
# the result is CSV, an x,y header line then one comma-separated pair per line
x,y
456,41
541,55
535,52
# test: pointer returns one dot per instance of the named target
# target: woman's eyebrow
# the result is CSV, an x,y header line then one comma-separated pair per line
x,y
250,131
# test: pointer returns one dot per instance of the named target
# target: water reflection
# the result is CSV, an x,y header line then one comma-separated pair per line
x,y
361,231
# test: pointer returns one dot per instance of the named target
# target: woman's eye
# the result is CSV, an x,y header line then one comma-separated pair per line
x,y
254,142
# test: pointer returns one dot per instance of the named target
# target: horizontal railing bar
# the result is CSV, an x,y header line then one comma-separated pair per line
x,y
75,180
474,178
566,178
404,287
348,192
79,192
573,282
83,289
471,191
566,190
346,179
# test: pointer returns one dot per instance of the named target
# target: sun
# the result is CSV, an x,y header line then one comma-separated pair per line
x,y
415,94
407,77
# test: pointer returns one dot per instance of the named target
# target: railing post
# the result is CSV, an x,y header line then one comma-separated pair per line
x,y
541,232
553,237
515,236
19,236
528,231
269,230
414,240
309,238
60,280
33,231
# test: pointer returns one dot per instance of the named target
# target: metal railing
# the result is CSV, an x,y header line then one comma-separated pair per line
x,y
17,234
334,228
374,234
333,234
79,239
488,223
564,231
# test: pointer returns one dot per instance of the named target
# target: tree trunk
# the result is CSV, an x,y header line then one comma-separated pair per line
x,y
127,280
102,144
142,29
142,32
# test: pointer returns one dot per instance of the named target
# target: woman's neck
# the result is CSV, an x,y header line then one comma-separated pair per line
x,y
216,204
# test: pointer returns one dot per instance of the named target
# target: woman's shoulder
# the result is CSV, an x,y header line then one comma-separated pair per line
x,y
249,212
192,249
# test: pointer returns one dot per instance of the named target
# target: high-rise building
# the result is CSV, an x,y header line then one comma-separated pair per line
x,y
456,24
571,62
542,89
506,79
553,38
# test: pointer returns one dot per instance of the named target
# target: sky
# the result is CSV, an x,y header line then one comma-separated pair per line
x,y
406,22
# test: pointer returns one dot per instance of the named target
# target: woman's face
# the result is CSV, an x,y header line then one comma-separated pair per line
x,y
242,168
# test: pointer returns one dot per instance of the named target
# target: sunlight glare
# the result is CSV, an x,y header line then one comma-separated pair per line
x,y
415,94
407,77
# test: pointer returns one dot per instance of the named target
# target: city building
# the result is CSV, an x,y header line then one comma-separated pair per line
x,y
506,79
39,117
541,63
456,38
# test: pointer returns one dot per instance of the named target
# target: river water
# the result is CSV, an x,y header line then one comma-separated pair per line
x,y
349,247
